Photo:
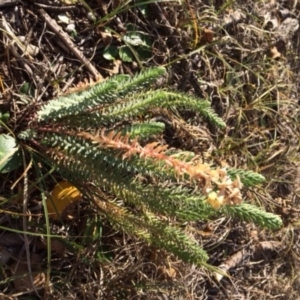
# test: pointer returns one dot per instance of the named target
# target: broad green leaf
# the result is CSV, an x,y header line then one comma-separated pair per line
x,y
125,54
10,157
144,53
135,37
110,52
147,42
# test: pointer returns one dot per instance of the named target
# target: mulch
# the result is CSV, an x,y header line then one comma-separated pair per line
x,y
49,48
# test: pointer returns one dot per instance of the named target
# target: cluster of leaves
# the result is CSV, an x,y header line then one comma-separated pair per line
x,y
140,186
136,44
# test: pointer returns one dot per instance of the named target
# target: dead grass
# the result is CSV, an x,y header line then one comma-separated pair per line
x,y
232,53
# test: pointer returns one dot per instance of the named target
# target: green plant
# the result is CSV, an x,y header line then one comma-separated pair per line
x,y
144,188
137,44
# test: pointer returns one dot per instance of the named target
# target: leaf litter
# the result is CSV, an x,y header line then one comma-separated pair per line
x,y
244,58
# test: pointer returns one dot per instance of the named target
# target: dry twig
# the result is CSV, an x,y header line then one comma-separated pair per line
x,y
68,42
240,256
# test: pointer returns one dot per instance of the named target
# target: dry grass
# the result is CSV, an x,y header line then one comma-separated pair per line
x,y
227,54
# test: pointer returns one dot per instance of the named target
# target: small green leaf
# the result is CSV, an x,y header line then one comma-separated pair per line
x,y
147,42
144,53
110,52
4,117
125,54
27,89
134,37
10,157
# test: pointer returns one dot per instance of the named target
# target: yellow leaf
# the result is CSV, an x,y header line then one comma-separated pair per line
x,y
63,195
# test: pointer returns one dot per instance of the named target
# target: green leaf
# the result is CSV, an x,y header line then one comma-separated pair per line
x,y
4,117
147,42
125,54
144,53
27,89
110,52
10,157
134,37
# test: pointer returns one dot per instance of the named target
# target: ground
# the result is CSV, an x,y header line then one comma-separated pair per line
x,y
244,59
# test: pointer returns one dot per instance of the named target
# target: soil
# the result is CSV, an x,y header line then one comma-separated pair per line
x,y
244,58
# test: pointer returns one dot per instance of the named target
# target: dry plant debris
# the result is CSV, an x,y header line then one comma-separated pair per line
x,y
244,58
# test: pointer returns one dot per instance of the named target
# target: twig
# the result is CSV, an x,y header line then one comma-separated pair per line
x,y
5,3
240,256
68,42
6,28
55,8
25,228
